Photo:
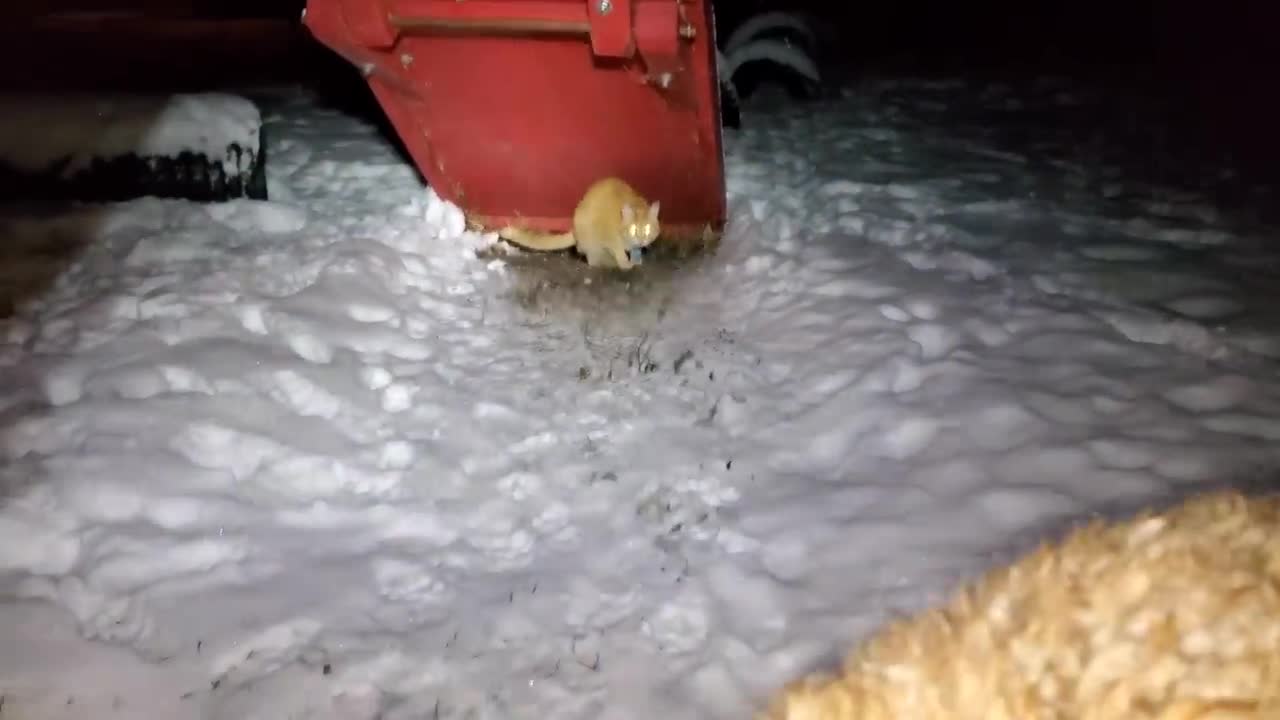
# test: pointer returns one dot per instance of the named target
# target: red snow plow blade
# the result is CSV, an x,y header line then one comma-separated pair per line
x,y
512,108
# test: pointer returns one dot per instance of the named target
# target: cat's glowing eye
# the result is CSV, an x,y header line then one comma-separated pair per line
x,y
648,228
632,229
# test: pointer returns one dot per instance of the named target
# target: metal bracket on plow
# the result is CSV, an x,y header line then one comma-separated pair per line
x,y
611,30
488,17
659,29
615,28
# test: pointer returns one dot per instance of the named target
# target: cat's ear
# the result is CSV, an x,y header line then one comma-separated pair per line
x,y
653,210
628,214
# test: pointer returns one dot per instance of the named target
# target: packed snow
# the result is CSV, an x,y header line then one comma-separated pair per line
x,y
335,456
67,132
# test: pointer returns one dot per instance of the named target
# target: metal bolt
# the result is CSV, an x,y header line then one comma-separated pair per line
x,y
605,6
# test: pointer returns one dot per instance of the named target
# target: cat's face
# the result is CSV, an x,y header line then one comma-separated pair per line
x,y
640,229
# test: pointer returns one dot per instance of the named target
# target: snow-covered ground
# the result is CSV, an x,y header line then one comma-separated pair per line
x,y
314,458
68,132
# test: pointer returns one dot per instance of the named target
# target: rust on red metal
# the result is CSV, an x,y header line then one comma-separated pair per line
x,y
512,108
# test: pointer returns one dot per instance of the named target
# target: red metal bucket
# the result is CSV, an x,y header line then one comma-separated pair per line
x,y
512,108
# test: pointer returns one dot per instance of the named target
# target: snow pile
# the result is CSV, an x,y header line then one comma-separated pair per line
x,y
41,132
315,458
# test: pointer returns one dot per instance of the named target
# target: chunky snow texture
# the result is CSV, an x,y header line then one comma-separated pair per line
x,y
68,132
316,458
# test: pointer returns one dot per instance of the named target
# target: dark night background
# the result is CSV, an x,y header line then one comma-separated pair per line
x,y
1211,66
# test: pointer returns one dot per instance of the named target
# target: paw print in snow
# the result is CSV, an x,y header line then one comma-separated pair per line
x,y
688,507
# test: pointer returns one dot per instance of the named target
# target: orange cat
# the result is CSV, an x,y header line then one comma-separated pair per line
x,y
610,225
1171,615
